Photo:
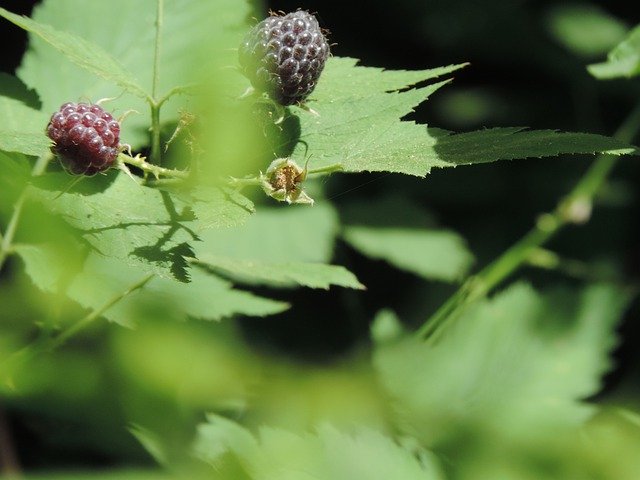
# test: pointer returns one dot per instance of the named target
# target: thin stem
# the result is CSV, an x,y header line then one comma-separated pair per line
x,y
5,244
175,91
156,151
336,167
80,325
240,183
574,208
156,54
48,344
154,170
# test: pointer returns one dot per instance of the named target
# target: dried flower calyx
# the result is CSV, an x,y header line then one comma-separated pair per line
x,y
283,180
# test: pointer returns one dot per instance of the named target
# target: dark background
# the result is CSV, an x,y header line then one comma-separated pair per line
x,y
525,78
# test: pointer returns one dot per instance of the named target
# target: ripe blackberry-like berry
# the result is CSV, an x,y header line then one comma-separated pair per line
x,y
86,138
284,56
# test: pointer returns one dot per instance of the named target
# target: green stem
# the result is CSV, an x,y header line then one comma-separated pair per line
x,y
240,183
48,344
574,208
155,170
80,325
336,167
6,241
156,151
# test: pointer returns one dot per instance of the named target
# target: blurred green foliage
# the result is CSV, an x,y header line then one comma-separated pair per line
x,y
336,386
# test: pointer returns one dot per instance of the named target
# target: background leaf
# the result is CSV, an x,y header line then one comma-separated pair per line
x,y
432,254
585,29
622,61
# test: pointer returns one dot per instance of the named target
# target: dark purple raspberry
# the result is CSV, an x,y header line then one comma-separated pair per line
x,y
284,56
86,138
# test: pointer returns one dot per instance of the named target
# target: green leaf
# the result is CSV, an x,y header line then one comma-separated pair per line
x,y
80,51
312,275
12,87
396,230
358,126
622,62
327,454
585,29
145,227
23,127
219,207
196,37
358,123
432,254
493,144
520,364
142,226
102,279
284,234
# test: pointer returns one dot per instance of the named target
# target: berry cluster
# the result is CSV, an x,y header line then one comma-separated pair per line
x,y
86,138
284,56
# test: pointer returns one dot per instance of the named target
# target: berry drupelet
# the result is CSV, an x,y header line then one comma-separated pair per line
x,y
284,56
86,138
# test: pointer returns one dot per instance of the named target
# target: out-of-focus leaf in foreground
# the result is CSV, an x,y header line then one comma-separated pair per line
x,y
102,280
327,454
521,364
117,52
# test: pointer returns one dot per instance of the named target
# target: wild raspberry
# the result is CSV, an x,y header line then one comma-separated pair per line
x,y
86,138
284,56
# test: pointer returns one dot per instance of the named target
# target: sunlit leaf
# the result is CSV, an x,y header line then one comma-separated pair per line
x,y
23,126
276,235
80,51
312,275
359,127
